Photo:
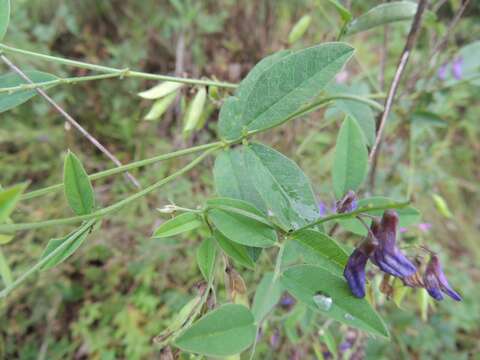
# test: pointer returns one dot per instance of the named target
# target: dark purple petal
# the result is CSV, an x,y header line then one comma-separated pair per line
x,y
394,263
457,66
434,269
431,284
354,271
387,256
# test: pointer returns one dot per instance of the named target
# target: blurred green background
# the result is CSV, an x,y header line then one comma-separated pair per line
x,y
122,288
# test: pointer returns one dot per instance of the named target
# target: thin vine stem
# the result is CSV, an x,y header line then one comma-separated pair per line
x,y
46,259
10,228
126,72
398,205
68,80
126,167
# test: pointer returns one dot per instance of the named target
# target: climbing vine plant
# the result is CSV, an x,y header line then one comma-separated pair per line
x,y
263,199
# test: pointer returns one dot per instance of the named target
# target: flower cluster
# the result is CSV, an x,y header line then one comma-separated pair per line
x,y
380,248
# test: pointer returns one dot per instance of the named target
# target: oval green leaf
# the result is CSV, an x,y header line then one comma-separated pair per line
x,y
206,254
350,162
241,222
329,294
75,239
78,188
237,252
383,14
267,295
232,180
228,330
4,17
360,112
323,246
179,224
282,186
9,198
11,100
281,88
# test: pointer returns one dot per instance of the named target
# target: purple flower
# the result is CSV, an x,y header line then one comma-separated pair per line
x,y
354,272
424,227
436,282
457,66
442,72
386,255
348,203
287,301
322,208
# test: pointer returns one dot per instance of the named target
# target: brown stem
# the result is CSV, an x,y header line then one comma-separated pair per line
x,y
412,36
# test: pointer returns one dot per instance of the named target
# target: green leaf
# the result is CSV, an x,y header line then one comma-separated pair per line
x,y
289,82
9,198
282,185
350,162
329,294
228,330
160,90
179,224
360,112
322,245
4,17
78,188
383,14
9,101
237,252
267,295
79,236
195,110
206,254
407,215
160,106
5,271
342,11
232,180
299,29
241,222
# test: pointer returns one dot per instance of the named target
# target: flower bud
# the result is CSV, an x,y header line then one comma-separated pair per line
x,y
436,282
386,255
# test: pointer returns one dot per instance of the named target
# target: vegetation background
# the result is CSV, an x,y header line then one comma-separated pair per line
x,y
122,288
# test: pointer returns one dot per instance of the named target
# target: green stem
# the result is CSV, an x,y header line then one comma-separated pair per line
x,y
106,69
307,109
359,211
46,259
278,265
71,80
9,228
124,168
361,99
